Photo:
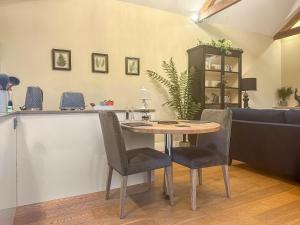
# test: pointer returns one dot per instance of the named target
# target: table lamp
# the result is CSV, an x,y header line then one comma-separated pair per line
x,y
248,84
145,96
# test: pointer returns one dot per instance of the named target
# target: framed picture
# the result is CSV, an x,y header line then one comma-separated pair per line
x,y
132,66
61,59
99,63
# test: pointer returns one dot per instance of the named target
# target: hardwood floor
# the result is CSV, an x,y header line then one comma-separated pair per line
x,y
257,199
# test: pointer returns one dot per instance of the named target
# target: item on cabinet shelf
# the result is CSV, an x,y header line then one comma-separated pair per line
x,y
297,97
227,99
61,59
228,68
34,99
216,66
215,98
284,94
99,63
219,84
207,65
214,83
207,99
248,84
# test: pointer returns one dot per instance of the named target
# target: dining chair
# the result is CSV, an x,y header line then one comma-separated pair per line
x,y
212,149
128,162
72,101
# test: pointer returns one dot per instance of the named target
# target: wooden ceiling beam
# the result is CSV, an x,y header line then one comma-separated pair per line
x,y
288,30
287,33
212,7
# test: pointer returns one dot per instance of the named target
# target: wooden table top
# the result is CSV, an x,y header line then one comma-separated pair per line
x,y
180,128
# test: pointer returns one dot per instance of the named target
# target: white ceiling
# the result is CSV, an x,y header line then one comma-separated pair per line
x,y
259,16
184,7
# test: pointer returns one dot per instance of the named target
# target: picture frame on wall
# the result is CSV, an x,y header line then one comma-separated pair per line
x,y
99,63
132,66
61,59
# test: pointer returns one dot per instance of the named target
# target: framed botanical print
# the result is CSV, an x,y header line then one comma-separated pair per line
x,y
132,66
99,63
61,59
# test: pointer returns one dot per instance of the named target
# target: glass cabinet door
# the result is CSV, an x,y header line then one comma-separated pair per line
x,y
231,81
213,80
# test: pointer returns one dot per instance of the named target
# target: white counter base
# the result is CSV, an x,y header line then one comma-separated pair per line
x,y
63,155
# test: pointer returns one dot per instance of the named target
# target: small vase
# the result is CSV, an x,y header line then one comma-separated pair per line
x,y
283,103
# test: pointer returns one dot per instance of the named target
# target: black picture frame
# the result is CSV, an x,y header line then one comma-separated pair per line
x,y
94,64
128,69
63,53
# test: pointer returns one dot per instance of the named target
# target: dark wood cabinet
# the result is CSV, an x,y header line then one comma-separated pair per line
x,y
217,76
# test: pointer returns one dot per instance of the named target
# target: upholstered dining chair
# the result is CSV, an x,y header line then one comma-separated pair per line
x,y
211,149
128,162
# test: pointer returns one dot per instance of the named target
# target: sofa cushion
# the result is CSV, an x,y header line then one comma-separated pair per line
x,y
259,115
292,116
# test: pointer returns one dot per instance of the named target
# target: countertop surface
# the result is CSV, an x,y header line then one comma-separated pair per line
x,y
59,112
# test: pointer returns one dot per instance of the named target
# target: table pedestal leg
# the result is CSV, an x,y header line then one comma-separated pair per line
x,y
168,150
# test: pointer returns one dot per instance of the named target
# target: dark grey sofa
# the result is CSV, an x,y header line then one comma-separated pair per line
x,y
267,140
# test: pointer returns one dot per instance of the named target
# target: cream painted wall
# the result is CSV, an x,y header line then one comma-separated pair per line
x,y
31,28
291,64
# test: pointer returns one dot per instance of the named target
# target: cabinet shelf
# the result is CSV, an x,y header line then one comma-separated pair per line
x,y
231,72
215,71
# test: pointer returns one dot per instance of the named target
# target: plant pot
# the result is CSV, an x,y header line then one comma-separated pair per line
x,y
184,144
283,103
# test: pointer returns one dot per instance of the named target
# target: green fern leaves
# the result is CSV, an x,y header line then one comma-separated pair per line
x,y
179,88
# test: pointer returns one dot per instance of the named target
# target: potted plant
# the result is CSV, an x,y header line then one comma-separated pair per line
x,y
284,94
179,88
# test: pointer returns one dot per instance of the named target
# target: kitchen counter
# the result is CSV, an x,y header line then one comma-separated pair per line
x,y
57,154
26,112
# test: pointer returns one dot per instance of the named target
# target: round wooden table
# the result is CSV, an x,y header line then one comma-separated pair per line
x,y
182,127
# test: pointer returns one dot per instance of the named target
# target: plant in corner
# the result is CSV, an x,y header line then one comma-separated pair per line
x,y
223,44
179,88
283,94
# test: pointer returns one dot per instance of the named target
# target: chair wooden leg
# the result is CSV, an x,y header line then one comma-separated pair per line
x,y
169,183
200,176
123,195
226,180
108,182
194,174
149,178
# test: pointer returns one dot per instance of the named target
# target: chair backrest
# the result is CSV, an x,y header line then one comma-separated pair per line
x,y
71,101
220,140
114,142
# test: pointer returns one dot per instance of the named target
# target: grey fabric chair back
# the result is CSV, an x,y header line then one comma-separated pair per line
x,y
114,142
219,141
72,101
34,98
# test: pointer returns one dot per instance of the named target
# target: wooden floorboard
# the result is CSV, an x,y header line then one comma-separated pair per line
x,y
257,199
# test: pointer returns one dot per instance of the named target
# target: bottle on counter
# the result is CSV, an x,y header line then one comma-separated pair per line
x,y
10,106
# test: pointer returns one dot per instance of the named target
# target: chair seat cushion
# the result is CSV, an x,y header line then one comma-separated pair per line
x,y
195,158
145,159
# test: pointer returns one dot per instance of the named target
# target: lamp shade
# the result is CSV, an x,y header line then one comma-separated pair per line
x,y
249,84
